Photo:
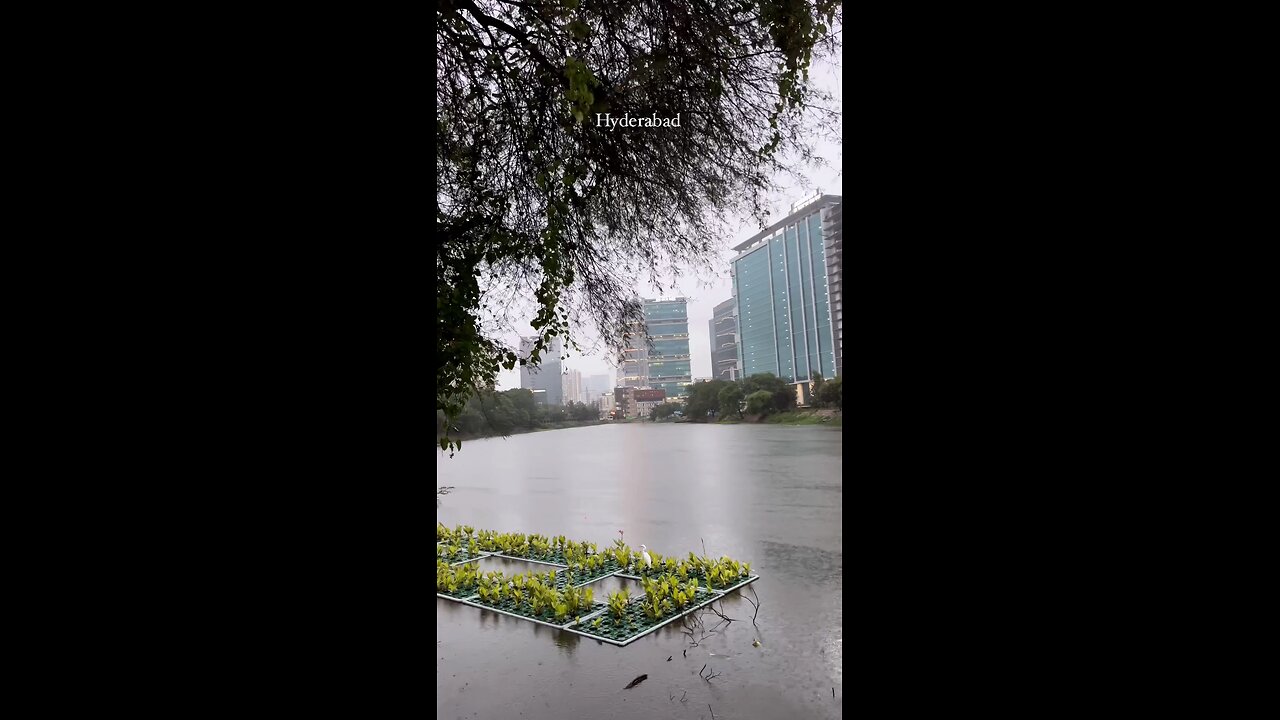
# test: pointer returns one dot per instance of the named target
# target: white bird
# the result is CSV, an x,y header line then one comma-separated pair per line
x,y
647,561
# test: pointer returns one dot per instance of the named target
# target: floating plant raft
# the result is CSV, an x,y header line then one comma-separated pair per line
x,y
561,596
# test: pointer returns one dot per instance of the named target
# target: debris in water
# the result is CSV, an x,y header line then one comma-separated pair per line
x,y
755,643
669,658
636,682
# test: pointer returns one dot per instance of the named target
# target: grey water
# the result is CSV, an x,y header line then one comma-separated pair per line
x,y
765,494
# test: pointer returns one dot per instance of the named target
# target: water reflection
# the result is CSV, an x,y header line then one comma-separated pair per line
x,y
764,494
567,641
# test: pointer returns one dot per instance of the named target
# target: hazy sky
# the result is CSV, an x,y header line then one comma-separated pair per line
x,y
703,299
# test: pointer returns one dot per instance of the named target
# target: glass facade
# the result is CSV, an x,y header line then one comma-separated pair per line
x,y
669,348
662,359
784,308
757,351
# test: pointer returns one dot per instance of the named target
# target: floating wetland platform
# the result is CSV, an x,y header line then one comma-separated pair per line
x,y
673,588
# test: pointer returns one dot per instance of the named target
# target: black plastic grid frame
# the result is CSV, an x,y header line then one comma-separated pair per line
x,y
713,595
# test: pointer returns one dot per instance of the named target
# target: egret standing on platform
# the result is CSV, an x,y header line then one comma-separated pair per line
x,y
647,562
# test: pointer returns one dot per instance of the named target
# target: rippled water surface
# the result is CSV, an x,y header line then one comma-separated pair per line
x,y
768,495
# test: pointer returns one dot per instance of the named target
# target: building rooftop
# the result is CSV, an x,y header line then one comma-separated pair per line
x,y
806,209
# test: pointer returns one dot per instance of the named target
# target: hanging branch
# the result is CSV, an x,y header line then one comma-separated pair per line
x,y
756,603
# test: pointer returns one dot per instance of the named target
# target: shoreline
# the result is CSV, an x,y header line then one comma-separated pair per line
x,y
566,425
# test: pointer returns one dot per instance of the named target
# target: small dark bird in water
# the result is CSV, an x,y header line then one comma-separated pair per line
x,y
636,682
669,658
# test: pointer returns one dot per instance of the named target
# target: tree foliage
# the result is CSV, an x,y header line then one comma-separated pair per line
x,y
663,411
537,201
501,413
703,399
783,393
832,394
760,403
730,399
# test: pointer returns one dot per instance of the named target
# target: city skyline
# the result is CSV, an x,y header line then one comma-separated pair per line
x,y
704,293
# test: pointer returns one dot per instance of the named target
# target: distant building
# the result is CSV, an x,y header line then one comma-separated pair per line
x,y
571,386
547,375
781,288
594,385
633,402
657,354
606,403
624,401
722,328
540,397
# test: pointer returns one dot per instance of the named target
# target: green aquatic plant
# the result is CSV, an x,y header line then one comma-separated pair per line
x,y
623,555
652,607
618,603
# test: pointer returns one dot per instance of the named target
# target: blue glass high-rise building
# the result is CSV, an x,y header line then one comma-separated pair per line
x,y
780,285
662,362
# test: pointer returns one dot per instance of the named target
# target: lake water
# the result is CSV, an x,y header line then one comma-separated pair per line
x,y
765,494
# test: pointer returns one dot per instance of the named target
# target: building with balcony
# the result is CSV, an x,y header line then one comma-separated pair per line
x,y
831,226
723,331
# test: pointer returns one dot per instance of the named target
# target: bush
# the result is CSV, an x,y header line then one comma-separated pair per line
x,y
784,394
760,402
704,398
664,410
730,401
831,393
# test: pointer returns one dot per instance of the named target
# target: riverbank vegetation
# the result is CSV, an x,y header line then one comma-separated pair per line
x,y
543,212
490,413
759,398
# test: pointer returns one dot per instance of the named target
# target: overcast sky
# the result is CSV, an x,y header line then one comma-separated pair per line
x,y
702,299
